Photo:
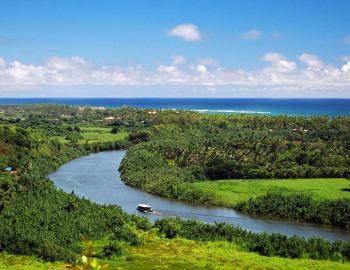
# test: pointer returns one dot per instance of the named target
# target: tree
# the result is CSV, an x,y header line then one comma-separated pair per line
x,y
114,130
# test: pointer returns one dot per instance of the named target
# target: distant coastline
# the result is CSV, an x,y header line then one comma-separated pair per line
x,y
227,106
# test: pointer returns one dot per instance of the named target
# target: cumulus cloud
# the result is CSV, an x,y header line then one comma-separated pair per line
x,y
279,73
188,32
346,67
252,35
201,69
172,70
178,60
311,60
72,63
279,62
2,62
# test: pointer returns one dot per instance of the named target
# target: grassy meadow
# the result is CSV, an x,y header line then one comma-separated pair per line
x,y
230,192
96,134
100,134
16,262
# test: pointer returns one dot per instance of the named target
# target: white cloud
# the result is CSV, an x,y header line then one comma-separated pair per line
x,y
252,35
346,67
2,62
311,60
172,70
178,60
188,32
279,73
279,62
71,63
201,69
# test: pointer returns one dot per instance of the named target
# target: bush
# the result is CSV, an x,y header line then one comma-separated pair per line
x,y
127,234
170,227
51,252
114,130
137,241
113,249
142,223
138,137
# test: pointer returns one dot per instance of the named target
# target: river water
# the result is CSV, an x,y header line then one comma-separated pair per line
x,y
96,177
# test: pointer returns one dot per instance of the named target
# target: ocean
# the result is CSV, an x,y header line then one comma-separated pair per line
x,y
302,107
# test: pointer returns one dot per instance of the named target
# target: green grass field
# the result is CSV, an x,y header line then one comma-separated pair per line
x,y
230,192
100,134
11,262
97,134
160,253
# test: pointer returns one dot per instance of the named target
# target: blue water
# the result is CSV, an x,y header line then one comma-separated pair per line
x,y
306,107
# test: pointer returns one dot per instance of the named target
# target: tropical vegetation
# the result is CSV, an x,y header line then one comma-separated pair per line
x,y
170,153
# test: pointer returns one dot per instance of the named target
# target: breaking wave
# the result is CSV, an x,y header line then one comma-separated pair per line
x,y
230,111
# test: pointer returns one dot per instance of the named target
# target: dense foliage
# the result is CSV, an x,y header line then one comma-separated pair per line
x,y
186,147
150,172
300,207
35,217
169,151
256,146
263,243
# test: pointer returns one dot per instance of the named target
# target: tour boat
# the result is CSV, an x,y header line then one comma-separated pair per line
x,y
145,208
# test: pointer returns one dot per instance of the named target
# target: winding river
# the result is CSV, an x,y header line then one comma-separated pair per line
x,y
96,177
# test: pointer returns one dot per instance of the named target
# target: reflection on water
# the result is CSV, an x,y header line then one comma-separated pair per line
x,y
96,177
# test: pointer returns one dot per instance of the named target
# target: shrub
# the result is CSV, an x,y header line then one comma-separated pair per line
x,y
114,130
138,137
125,233
142,223
170,227
113,249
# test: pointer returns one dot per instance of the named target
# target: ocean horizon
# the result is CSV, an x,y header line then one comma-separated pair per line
x,y
227,106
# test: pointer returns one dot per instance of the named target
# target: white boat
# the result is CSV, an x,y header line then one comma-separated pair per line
x,y
145,208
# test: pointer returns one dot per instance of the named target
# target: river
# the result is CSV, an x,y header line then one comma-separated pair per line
x,y
96,177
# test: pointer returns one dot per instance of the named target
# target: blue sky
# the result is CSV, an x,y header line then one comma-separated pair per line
x,y
224,48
